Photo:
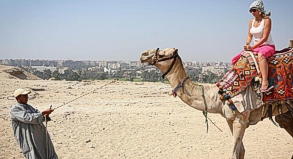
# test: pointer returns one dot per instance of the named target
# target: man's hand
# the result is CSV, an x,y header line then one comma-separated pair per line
x,y
47,112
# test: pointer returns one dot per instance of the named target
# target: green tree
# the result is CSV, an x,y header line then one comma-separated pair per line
x,y
39,74
56,75
73,76
204,78
47,74
145,76
101,76
131,76
70,75
212,78
153,76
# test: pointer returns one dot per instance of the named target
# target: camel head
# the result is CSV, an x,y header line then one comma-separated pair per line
x,y
162,59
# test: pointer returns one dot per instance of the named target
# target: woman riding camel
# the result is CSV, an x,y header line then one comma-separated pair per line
x,y
259,29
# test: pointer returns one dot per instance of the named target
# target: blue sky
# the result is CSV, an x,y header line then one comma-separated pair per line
x,y
205,30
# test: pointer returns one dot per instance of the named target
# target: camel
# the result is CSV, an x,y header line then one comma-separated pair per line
x,y
205,97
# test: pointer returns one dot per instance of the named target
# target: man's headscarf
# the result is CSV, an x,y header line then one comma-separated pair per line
x,y
258,4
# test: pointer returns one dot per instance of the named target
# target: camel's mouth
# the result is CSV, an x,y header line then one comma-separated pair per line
x,y
145,59
147,56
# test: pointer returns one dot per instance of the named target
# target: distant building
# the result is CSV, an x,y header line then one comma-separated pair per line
x,y
42,68
103,63
214,69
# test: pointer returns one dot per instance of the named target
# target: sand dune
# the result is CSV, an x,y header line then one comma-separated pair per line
x,y
129,120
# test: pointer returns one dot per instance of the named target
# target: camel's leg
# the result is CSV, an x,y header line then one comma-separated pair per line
x,y
286,122
238,127
242,150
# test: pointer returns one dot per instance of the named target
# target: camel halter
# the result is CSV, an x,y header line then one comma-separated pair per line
x,y
174,57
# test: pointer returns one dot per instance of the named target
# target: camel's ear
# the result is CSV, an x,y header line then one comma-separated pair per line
x,y
176,51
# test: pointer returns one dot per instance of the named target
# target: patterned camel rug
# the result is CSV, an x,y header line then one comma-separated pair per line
x,y
245,74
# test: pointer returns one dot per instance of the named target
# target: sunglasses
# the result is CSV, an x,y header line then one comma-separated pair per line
x,y
252,10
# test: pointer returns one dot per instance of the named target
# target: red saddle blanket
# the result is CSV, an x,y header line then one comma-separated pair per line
x,y
244,73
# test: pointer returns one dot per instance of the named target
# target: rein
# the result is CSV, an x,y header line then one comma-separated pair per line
x,y
205,112
170,68
47,118
93,91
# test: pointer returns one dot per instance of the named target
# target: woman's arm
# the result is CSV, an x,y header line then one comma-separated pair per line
x,y
249,35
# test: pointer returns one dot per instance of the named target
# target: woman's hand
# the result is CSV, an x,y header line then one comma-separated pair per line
x,y
247,47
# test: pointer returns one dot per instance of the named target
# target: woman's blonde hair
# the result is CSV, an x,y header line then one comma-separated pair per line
x,y
265,15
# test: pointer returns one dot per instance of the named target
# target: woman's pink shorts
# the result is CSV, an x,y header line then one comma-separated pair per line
x,y
266,50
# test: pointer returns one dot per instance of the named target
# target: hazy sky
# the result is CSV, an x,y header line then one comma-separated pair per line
x,y
205,30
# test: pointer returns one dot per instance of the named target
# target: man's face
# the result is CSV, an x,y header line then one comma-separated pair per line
x,y
22,99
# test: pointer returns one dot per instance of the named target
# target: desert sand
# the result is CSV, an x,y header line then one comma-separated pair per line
x,y
131,120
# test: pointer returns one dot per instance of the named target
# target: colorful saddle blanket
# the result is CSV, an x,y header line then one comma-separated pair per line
x,y
245,73
280,76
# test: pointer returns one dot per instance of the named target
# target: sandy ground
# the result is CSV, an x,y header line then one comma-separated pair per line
x,y
132,120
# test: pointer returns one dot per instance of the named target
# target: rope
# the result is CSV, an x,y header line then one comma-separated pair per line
x,y
46,121
214,124
85,94
205,112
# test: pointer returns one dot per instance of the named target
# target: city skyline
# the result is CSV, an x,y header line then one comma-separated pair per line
x,y
59,60
122,30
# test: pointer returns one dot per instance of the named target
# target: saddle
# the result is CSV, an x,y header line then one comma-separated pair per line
x,y
245,73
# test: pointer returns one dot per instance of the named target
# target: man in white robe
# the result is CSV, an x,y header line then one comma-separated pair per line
x,y
29,130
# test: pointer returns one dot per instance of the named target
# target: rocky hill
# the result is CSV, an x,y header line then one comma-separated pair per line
x,y
10,72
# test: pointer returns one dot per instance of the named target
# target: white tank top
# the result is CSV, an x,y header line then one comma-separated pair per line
x,y
257,33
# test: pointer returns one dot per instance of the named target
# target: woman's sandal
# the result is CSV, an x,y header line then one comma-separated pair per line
x,y
266,90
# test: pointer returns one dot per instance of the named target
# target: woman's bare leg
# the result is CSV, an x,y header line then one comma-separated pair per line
x,y
263,65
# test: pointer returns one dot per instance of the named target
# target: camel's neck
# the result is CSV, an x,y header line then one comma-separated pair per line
x,y
191,93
